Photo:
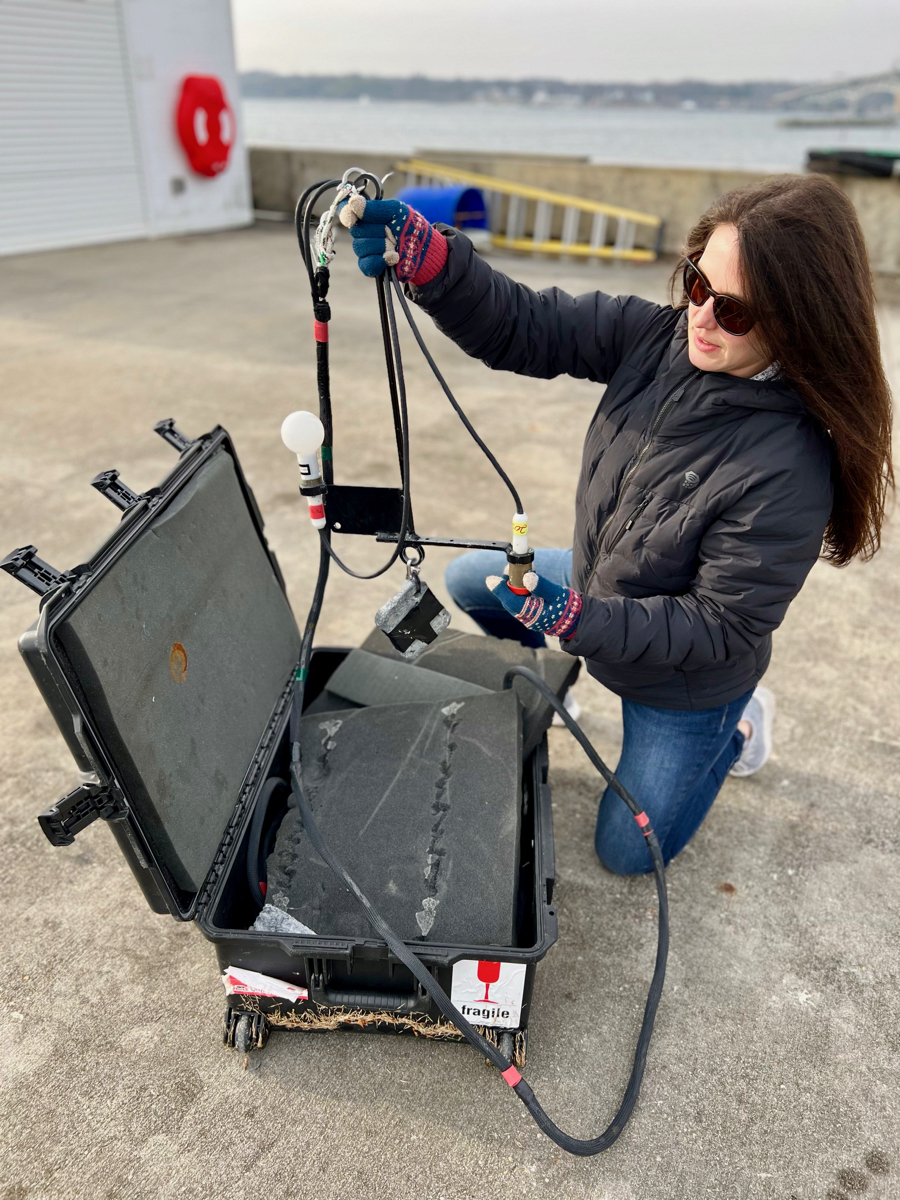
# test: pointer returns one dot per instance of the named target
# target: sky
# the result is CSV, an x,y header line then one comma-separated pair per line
x,y
579,40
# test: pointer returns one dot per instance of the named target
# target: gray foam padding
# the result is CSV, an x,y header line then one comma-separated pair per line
x,y
484,661
422,805
366,678
182,741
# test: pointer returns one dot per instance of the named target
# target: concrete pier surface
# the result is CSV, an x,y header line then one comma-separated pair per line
x,y
773,1071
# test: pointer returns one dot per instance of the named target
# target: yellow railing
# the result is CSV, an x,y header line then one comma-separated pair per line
x,y
511,217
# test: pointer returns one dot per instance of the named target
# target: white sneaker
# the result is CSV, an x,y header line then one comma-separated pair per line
x,y
759,714
572,707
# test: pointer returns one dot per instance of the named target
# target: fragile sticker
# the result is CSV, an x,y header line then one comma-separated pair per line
x,y
489,993
250,983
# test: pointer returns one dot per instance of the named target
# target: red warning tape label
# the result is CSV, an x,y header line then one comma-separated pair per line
x,y
239,982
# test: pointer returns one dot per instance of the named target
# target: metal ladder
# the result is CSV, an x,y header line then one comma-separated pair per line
x,y
588,228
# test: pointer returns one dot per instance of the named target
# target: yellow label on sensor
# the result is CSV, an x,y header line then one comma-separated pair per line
x,y
520,530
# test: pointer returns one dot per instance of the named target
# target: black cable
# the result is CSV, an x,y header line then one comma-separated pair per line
x,y
393,362
404,460
318,286
394,365
453,401
390,366
254,840
299,209
306,641
305,248
399,949
579,1146
590,1146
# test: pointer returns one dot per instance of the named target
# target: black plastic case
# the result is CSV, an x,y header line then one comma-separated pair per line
x,y
129,780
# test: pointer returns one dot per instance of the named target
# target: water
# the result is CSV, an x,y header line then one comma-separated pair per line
x,y
645,137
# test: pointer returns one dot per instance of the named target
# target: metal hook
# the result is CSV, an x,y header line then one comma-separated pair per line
x,y
412,565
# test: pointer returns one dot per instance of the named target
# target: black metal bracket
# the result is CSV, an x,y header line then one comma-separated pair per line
x,y
109,484
413,539
23,564
76,811
370,511
167,431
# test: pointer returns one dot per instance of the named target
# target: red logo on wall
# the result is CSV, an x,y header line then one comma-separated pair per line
x,y
205,124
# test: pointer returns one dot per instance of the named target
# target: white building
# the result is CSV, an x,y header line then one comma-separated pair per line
x,y
90,149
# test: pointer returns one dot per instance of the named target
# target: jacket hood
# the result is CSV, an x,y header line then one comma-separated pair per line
x,y
718,388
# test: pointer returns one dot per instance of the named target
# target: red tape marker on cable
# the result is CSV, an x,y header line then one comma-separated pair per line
x,y
511,1075
320,328
642,819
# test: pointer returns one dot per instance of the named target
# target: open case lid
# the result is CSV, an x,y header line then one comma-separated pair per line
x,y
175,644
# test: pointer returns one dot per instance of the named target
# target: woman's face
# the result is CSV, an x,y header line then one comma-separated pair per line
x,y
709,347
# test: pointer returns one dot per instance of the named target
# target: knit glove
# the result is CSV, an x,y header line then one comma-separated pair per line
x,y
549,608
388,233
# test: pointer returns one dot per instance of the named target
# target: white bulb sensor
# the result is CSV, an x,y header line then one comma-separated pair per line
x,y
303,433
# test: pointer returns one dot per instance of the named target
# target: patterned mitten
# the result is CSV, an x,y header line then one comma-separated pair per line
x,y
388,233
549,609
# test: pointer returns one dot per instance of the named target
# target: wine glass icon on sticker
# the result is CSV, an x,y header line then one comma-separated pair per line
x,y
488,973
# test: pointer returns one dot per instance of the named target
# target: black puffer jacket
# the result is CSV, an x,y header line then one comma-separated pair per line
x,y
702,499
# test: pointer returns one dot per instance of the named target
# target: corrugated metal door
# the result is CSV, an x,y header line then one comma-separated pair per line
x,y
69,162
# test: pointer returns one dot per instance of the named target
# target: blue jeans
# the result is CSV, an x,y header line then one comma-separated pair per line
x,y
673,761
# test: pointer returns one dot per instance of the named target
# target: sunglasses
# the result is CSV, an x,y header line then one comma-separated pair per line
x,y
730,314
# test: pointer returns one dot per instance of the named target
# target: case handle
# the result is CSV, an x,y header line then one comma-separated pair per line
x,y
23,564
167,431
76,811
109,484
398,1002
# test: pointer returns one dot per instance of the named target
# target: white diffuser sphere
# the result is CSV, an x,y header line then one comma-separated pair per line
x,y
303,433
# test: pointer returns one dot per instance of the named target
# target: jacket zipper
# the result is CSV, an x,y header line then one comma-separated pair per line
x,y
675,396
631,520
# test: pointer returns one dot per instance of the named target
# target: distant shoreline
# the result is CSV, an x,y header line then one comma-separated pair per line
x,y
541,93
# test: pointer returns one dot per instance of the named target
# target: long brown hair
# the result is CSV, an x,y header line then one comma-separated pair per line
x,y
806,276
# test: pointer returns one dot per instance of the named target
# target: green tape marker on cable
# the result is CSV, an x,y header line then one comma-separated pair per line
x,y
326,454
300,674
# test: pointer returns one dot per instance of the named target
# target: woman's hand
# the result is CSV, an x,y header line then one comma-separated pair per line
x,y
388,233
548,608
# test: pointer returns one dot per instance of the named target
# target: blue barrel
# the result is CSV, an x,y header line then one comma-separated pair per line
x,y
462,207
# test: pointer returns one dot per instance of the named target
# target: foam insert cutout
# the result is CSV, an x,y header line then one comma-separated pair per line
x,y
485,661
366,678
421,803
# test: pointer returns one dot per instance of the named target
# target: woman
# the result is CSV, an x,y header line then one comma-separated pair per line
x,y
743,431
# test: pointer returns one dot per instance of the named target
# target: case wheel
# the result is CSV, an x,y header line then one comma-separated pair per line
x,y
243,1031
521,1049
259,1031
228,1023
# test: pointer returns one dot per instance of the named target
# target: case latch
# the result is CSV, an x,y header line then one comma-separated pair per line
x,y
109,484
76,811
23,564
167,431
